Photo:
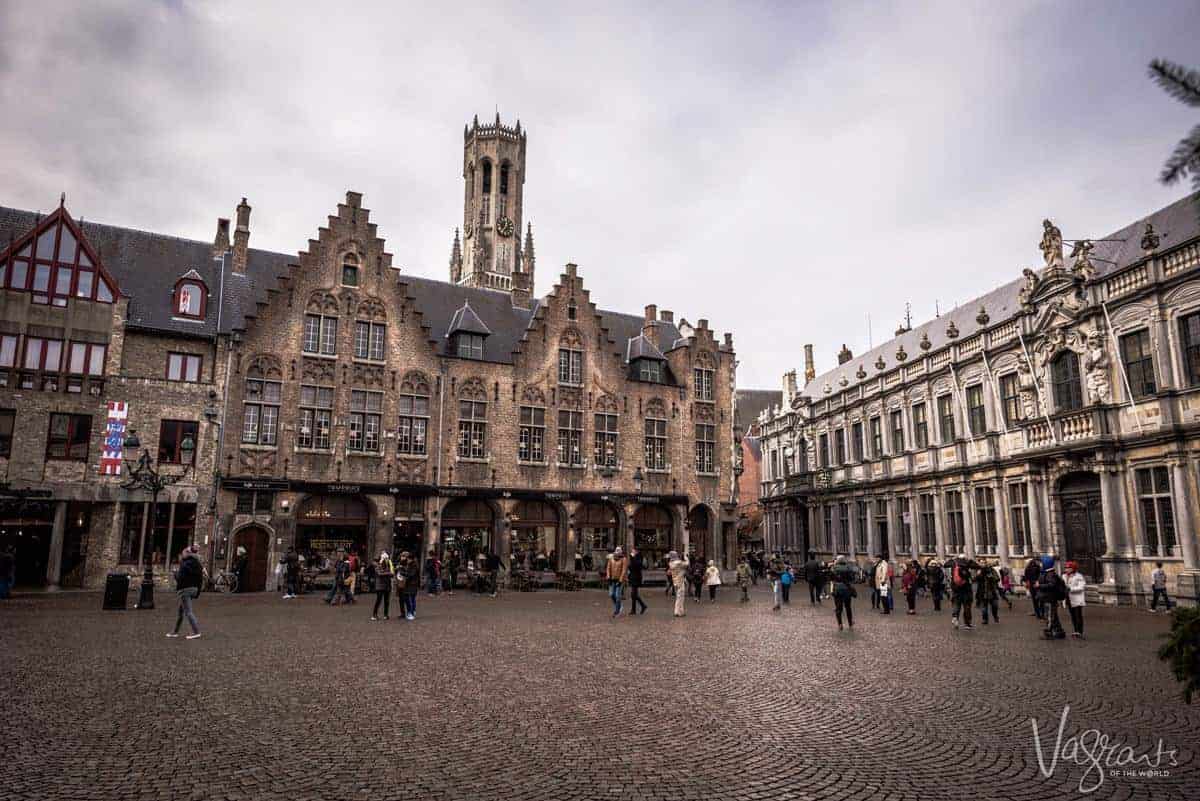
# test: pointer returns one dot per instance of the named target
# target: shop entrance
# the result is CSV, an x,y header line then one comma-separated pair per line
x,y
25,528
252,576
326,524
408,528
467,525
535,536
597,526
652,534
699,525
1083,522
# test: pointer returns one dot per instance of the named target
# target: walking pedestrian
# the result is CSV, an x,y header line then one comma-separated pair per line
x,y
291,573
883,585
774,569
786,577
744,579
961,594
1076,598
615,571
812,574
1031,578
677,575
240,567
874,579
635,575
433,573
384,574
1006,586
908,583
712,579
453,563
987,592
341,578
352,574
411,571
189,577
1158,586
1052,591
935,577
696,574
843,592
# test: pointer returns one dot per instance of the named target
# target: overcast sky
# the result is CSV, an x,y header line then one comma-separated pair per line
x,y
782,170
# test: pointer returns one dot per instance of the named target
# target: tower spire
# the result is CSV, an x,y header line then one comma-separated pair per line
x,y
455,260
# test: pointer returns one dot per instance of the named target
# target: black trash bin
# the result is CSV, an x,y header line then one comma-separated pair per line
x,y
116,590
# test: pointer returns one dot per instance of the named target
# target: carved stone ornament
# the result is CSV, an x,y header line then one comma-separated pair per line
x,y
1095,364
861,374
468,229
1150,240
1051,245
982,318
1025,295
952,330
925,344
900,354
880,364
843,381
827,389
1081,262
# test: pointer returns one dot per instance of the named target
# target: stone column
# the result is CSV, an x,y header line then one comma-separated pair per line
x,y
1185,518
893,523
1033,487
873,544
968,507
1003,524
54,567
503,532
939,520
814,528
1164,364
851,526
914,533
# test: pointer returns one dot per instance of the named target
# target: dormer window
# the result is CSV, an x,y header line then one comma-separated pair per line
x,y
649,370
191,299
350,270
470,346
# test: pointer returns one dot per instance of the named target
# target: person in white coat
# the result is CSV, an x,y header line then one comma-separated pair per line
x,y
1076,597
883,585
677,571
712,580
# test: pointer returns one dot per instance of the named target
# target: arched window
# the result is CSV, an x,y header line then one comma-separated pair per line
x,y
1064,375
504,179
487,177
350,270
191,299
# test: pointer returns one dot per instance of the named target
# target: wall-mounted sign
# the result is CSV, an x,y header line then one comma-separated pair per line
x,y
113,450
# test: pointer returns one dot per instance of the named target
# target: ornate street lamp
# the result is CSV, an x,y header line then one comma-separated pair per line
x,y
145,476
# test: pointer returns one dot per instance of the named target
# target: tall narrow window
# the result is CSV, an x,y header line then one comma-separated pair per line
x,y
1064,376
1189,335
920,426
839,445
1158,514
827,526
68,437
706,445
876,437
487,177
190,299
856,440
171,436
570,366
472,429
570,438
945,404
43,354
605,452
320,334
414,425
316,413
365,417
928,524
8,419
350,270
260,411
532,444
904,513
976,416
843,539
469,346
823,446
369,340
956,539
1010,398
183,367
1018,505
86,359
1139,364
656,443
897,432
704,383
985,521
860,531
8,350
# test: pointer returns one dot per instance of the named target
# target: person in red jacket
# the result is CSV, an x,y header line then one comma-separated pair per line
x,y
908,583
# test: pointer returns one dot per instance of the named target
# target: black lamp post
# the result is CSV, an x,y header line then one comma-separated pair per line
x,y
145,476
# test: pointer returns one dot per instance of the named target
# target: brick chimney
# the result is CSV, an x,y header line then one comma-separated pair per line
x,y
666,316
241,238
221,241
649,329
810,368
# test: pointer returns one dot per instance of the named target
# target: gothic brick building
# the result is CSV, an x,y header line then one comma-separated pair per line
x,y
334,401
1058,413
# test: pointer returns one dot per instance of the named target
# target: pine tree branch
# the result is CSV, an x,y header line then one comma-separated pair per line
x,y
1185,159
1177,81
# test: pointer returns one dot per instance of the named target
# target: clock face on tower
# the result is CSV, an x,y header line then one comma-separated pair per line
x,y
504,226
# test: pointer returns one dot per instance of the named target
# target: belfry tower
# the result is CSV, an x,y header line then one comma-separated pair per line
x,y
493,192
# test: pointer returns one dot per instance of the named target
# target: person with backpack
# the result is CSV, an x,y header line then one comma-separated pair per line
x,y
987,592
1052,591
1158,586
744,579
697,572
189,577
961,594
1076,598
384,572
935,577
843,591
712,580
785,582
1031,578
812,574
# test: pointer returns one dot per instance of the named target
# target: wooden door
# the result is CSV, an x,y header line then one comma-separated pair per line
x,y
256,542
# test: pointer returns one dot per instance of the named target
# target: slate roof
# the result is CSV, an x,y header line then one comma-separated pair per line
x,y
147,266
750,403
1175,224
642,348
466,321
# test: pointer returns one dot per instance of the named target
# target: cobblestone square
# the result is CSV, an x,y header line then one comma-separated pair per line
x,y
543,696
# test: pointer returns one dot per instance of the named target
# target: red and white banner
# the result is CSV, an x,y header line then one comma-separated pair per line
x,y
113,452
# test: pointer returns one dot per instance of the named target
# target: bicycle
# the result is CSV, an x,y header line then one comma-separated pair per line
x,y
223,581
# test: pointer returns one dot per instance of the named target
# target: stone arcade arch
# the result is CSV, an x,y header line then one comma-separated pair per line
x,y
653,525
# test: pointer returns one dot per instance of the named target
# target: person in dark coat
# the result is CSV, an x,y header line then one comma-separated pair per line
x,y
634,575
1031,578
812,574
453,563
987,592
935,577
341,581
1052,591
241,567
411,571
189,577
961,589
291,572
843,592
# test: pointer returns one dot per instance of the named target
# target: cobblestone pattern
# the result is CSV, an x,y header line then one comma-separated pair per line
x,y
542,696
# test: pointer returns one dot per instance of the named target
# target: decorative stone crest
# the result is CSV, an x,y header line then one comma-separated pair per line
x,y
900,354
318,371
532,396
414,383
472,389
323,302
880,364
367,375
952,330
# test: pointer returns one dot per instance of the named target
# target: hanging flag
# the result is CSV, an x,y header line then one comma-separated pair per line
x,y
113,451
